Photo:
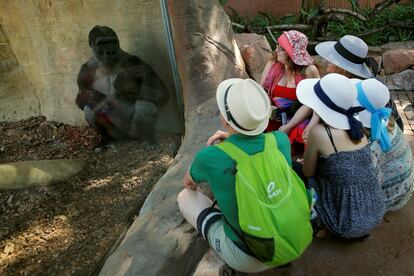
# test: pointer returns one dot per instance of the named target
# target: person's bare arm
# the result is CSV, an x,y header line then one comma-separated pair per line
x,y
300,115
304,111
310,157
311,72
314,121
265,71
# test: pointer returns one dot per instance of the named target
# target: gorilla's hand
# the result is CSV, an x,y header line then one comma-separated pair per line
x,y
88,97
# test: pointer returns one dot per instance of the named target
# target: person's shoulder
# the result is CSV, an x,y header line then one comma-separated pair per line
x,y
280,135
318,128
311,71
318,133
282,139
209,152
271,62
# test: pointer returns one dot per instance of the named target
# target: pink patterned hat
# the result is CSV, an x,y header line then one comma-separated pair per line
x,y
295,44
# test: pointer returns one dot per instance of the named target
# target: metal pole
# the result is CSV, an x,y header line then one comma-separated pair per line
x,y
171,55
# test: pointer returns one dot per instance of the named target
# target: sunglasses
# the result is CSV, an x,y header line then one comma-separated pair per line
x,y
279,48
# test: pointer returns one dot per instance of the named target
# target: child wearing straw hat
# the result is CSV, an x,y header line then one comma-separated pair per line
x,y
391,153
338,159
244,107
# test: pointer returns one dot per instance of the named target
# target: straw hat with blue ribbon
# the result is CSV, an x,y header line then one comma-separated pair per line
x,y
374,95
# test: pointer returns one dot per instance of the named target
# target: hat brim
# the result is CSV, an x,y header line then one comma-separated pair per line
x,y
327,51
364,116
302,60
306,95
305,60
221,90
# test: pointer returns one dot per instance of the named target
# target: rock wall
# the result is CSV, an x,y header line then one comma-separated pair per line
x,y
14,85
43,43
255,51
160,242
397,64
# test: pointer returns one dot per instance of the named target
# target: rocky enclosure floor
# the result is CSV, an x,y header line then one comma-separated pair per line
x,y
68,228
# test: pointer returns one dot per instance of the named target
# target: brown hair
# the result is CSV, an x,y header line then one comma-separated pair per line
x,y
390,127
290,65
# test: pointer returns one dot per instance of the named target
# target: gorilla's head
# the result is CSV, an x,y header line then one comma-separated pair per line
x,y
105,45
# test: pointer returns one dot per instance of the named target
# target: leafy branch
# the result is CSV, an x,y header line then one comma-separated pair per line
x,y
382,6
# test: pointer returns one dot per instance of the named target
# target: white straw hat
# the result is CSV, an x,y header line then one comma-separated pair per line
x,y
349,53
376,93
339,89
244,105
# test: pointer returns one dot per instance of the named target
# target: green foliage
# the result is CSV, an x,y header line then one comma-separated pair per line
x,y
354,4
401,12
351,25
223,2
261,20
306,15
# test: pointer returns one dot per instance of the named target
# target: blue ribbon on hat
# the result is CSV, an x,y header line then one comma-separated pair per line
x,y
379,118
355,131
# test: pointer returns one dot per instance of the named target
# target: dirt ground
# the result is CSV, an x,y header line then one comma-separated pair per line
x,y
388,251
68,228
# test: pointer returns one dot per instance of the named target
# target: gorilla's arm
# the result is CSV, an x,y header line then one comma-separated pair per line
x,y
150,86
84,76
153,89
86,95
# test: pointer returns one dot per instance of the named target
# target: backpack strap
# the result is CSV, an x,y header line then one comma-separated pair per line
x,y
233,151
270,142
239,155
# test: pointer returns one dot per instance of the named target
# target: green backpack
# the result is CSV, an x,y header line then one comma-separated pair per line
x,y
273,204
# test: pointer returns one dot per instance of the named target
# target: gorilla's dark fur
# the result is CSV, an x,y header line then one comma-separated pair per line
x,y
118,92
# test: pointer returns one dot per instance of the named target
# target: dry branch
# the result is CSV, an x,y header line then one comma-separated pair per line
x,y
302,27
381,6
398,24
271,34
344,11
238,25
327,18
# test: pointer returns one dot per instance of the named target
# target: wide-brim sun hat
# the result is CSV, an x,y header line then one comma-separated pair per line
x,y
340,90
295,43
244,105
349,53
376,93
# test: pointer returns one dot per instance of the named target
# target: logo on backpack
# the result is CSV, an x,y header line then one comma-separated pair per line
x,y
270,193
255,228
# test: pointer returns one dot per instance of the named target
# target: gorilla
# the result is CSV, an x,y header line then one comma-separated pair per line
x,y
118,92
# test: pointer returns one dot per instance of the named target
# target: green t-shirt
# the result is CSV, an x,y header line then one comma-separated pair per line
x,y
215,167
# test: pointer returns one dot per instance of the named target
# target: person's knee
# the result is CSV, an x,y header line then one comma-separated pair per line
x,y
181,198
